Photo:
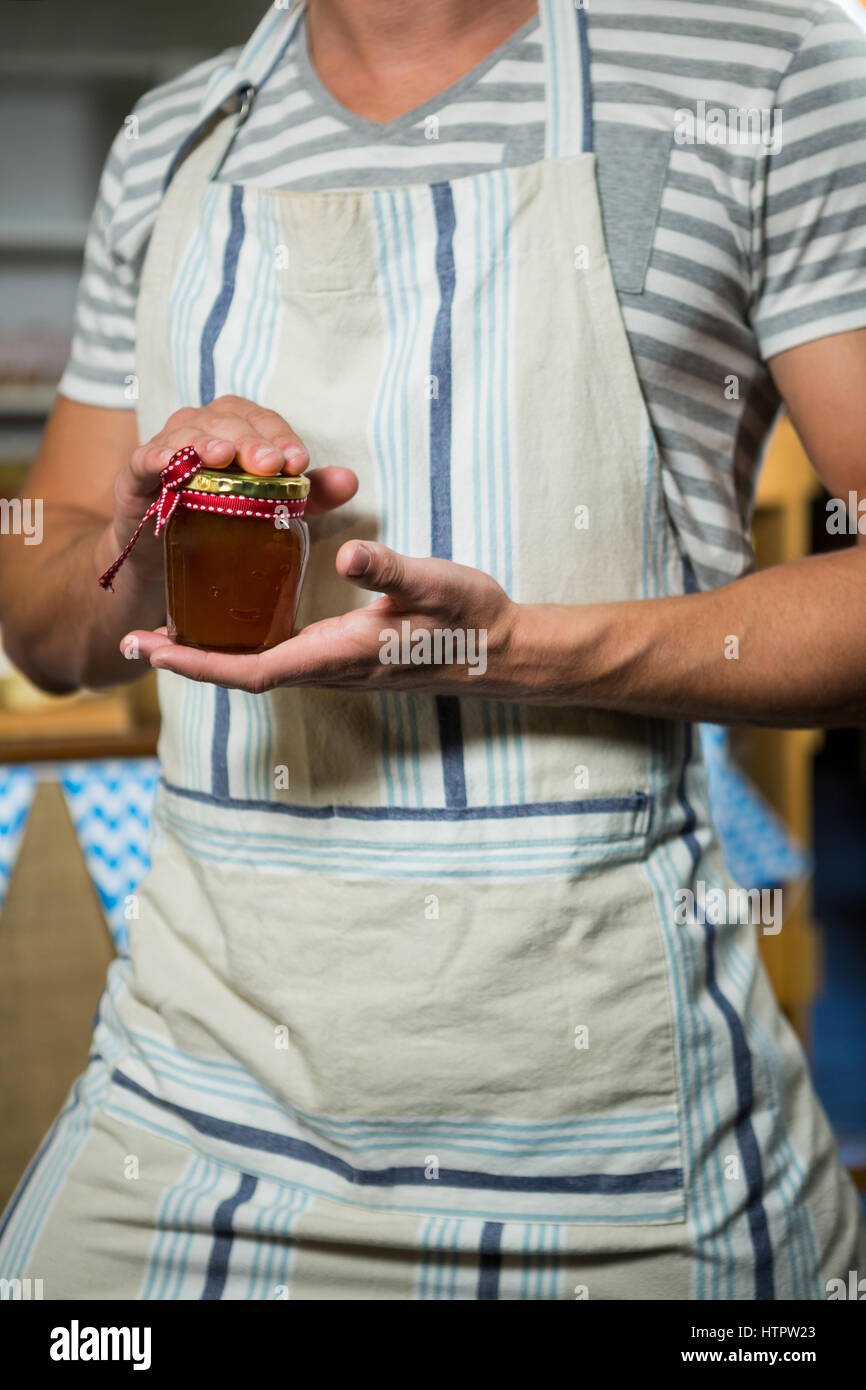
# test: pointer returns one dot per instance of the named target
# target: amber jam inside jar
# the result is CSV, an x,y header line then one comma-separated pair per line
x,y
233,580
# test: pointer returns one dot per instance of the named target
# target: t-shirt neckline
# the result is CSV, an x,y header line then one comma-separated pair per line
x,y
382,129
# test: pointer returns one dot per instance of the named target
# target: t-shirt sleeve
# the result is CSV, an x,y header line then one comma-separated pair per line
x,y
101,365
809,197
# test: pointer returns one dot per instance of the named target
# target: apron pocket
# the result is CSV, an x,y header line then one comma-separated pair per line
x,y
500,1049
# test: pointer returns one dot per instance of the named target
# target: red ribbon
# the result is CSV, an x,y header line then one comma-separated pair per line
x,y
180,468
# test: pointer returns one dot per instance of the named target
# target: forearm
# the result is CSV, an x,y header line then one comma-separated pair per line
x,y
59,627
784,647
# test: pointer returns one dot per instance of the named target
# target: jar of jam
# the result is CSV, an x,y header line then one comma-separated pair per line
x,y
236,548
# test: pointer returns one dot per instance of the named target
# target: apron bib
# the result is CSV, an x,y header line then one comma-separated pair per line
x,y
419,954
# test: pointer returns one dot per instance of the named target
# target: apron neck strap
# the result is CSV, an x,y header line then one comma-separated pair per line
x,y
568,126
569,94
237,83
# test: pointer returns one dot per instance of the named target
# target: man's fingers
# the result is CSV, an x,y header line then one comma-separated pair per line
x,y
217,668
230,428
427,586
330,488
246,672
249,426
215,449
257,671
141,642
213,430
268,425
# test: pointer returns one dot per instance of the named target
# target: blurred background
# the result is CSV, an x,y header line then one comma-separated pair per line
x,y
77,773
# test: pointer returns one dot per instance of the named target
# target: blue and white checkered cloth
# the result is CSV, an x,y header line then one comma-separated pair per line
x,y
110,804
758,848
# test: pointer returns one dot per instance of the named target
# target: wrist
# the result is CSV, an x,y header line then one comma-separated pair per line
x,y
578,654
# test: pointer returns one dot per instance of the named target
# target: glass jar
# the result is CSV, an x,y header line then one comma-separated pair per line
x,y
236,549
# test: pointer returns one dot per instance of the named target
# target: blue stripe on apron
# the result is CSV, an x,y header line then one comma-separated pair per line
x,y
490,1263
638,802
218,1264
267,1141
447,706
587,80
216,319
214,325
748,1144
219,769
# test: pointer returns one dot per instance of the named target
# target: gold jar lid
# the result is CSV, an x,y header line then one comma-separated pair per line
x,y
232,482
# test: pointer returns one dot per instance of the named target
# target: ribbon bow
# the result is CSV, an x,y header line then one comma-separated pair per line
x,y
182,466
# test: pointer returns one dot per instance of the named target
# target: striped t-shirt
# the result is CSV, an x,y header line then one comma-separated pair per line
x,y
731,146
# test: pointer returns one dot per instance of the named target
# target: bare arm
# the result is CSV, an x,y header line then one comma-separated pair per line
x,y
800,627
58,627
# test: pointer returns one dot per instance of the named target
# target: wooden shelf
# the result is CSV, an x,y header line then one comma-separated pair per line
x,y
65,715
119,723
134,743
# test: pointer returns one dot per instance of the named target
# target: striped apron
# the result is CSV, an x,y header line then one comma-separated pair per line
x,y
410,1010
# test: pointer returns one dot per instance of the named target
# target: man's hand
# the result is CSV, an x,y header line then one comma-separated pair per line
x,y
438,627
229,428
662,658
93,484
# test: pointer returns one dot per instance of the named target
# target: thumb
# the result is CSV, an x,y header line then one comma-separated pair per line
x,y
425,586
